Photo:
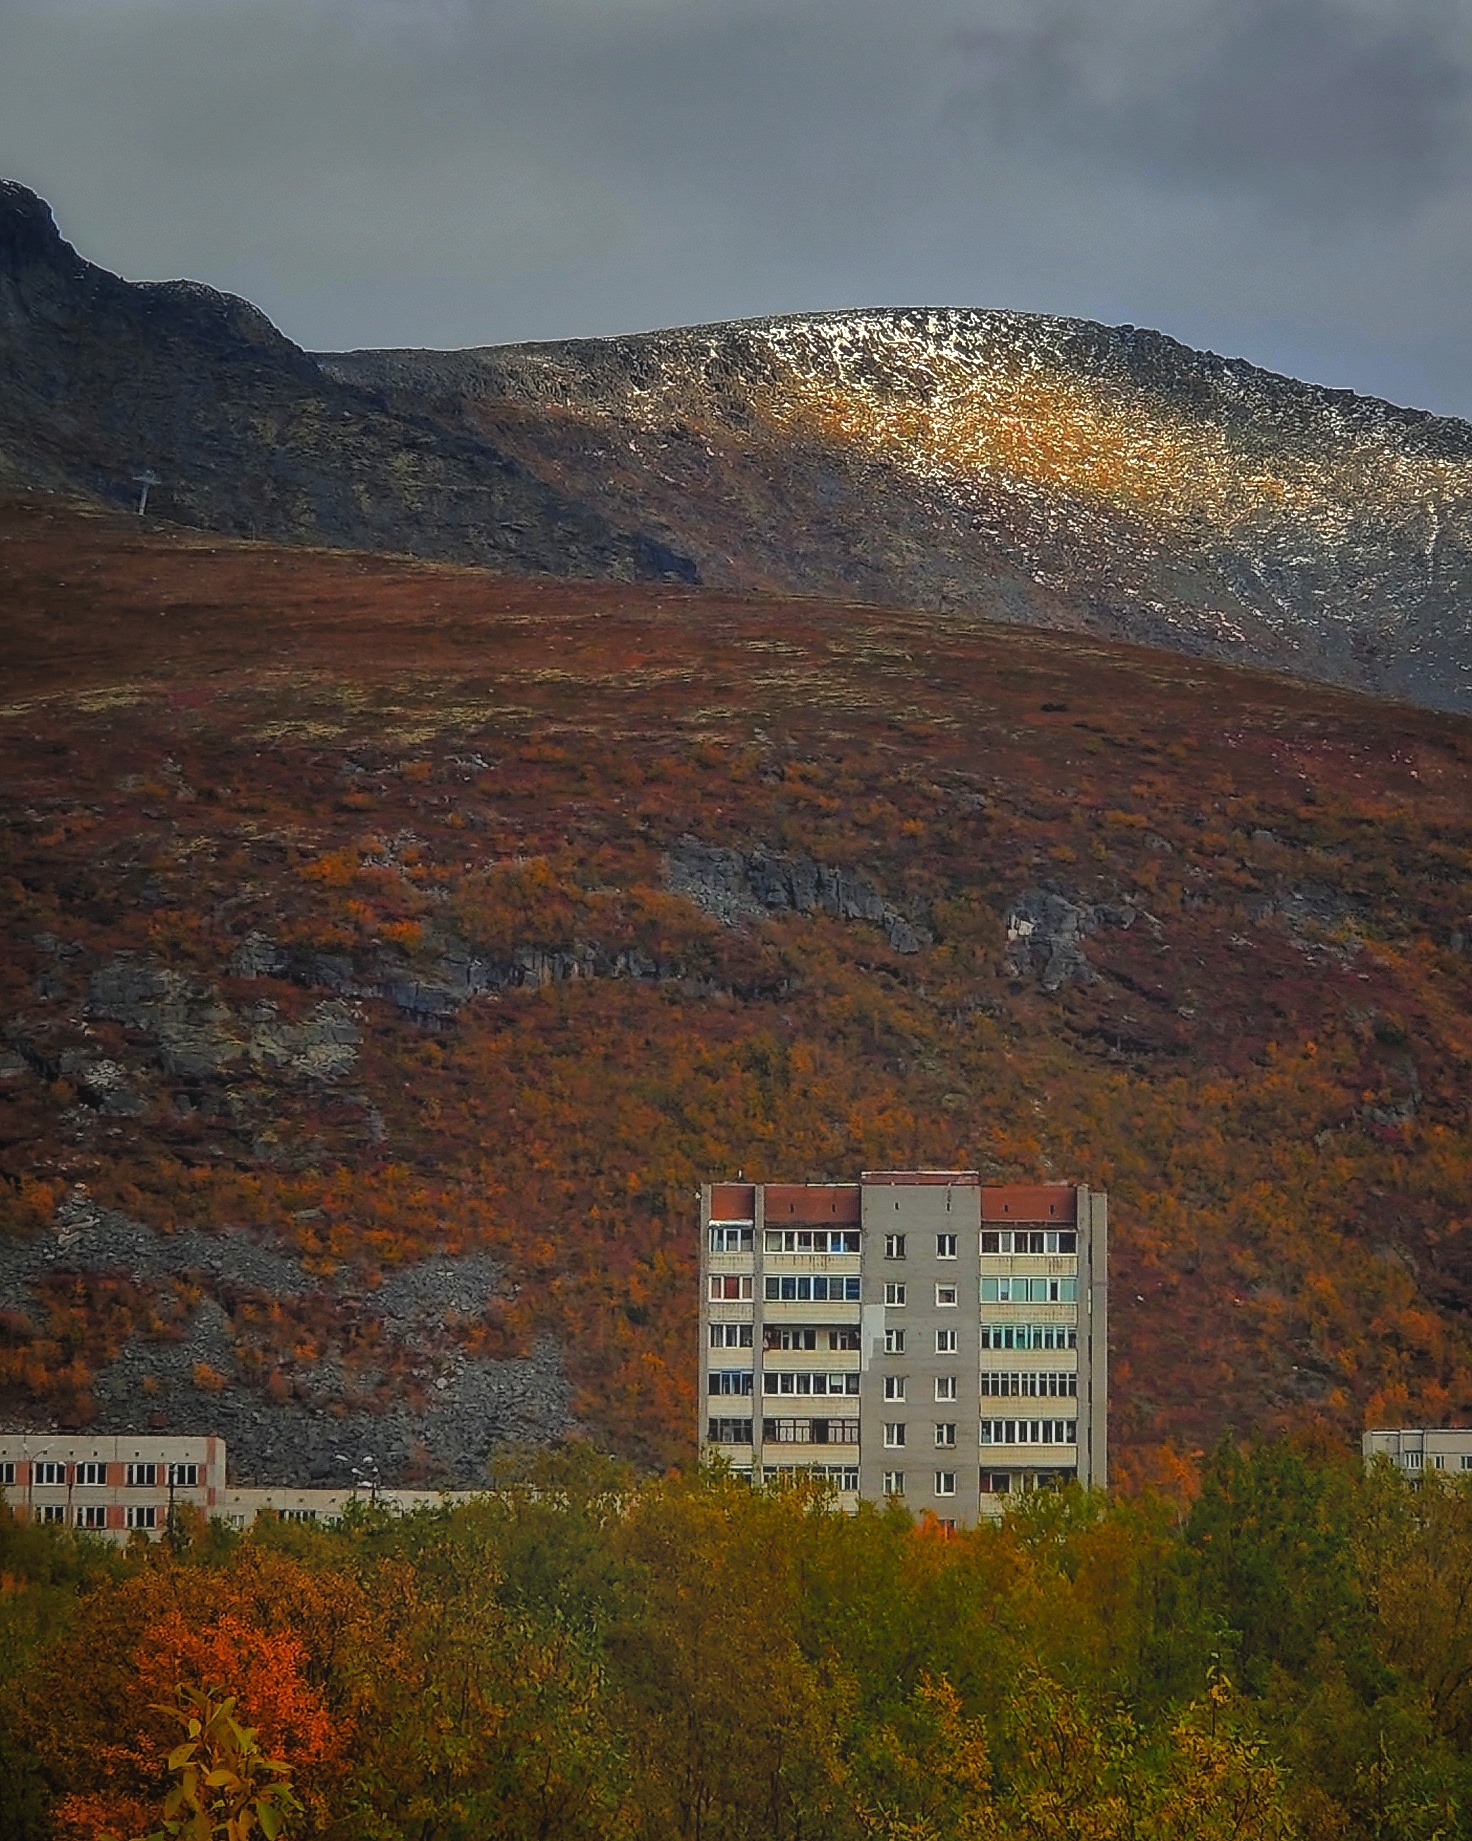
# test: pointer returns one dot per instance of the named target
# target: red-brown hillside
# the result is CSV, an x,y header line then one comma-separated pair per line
x,y
352,922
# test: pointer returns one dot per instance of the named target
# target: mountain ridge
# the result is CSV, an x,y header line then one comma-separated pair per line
x,y
1052,471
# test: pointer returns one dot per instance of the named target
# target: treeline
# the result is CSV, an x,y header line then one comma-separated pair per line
x,y
587,1656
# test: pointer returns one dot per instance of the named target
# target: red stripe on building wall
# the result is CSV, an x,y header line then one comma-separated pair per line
x,y
1030,1202
733,1201
809,1202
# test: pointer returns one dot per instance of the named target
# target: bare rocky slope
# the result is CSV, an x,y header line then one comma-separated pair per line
x,y
103,381
1100,478
1050,472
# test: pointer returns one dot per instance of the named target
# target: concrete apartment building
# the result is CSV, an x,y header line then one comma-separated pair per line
x,y
1415,1451
916,1334
115,1487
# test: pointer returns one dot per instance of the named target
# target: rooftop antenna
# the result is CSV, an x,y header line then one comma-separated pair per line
x,y
144,480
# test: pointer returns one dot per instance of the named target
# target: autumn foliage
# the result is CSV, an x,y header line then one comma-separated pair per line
x,y
582,1655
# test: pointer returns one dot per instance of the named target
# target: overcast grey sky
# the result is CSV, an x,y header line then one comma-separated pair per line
x,y
1289,180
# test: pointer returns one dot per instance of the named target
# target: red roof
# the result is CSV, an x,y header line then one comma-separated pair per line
x,y
733,1201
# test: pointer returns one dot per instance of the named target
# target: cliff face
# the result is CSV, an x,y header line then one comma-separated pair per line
x,y
103,380
1101,478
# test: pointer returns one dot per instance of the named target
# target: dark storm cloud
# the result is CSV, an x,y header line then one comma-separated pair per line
x,y
1284,178
1308,104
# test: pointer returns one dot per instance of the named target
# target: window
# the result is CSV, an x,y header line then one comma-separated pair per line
x,y
728,1432
48,1472
1029,1386
183,1476
894,1246
1029,1336
728,1288
729,1381
945,1246
141,1476
1020,1241
894,1387
774,1337
140,1515
945,1295
730,1240
298,1514
803,1288
840,1476
1029,1431
1029,1290
810,1431
894,1436
844,1339
811,1240
1466,1462
91,1475
51,1512
996,1482
945,1437
945,1387
894,1342
894,1483
92,1515
730,1335
945,1484
945,1342
7,1472
894,1296
780,1383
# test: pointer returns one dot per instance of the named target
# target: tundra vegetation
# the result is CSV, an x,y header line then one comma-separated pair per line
x,y
356,938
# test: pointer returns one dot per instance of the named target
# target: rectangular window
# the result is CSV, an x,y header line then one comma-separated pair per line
x,y
894,1387
1466,1462
141,1476
808,1384
945,1484
729,1381
48,1472
803,1288
775,1337
7,1472
1029,1336
945,1296
1029,1431
945,1246
1020,1241
894,1246
894,1436
810,1431
730,1240
92,1515
894,1296
945,1437
51,1512
1029,1290
91,1475
729,1288
183,1476
945,1342
894,1342
730,1335
996,1482
811,1240
945,1387
844,1339
138,1515
894,1483
728,1432
1026,1386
